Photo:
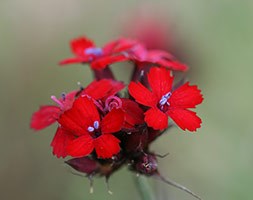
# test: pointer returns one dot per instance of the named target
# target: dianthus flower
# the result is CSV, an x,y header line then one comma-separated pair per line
x,y
103,128
164,103
85,51
91,131
48,114
142,57
119,50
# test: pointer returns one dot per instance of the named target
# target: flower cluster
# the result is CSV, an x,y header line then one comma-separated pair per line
x,y
103,128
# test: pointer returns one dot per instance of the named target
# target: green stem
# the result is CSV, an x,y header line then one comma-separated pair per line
x,y
143,187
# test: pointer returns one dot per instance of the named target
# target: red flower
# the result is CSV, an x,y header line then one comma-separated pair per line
x,y
85,51
165,103
141,55
90,131
49,114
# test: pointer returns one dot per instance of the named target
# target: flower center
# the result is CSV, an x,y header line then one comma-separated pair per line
x,y
163,103
164,99
93,128
94,50
112,102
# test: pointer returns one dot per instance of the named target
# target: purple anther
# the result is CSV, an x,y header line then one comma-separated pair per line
x,y
63,96
164,99
96,124
94,50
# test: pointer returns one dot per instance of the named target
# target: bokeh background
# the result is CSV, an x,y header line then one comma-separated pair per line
x,y
213,37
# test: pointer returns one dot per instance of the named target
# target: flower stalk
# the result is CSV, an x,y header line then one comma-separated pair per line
x,y
144,189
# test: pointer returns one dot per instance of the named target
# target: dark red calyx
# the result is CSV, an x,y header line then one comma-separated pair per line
x,y
84,165
146,164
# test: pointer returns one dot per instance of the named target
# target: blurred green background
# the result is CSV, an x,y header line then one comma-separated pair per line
x,y
216,162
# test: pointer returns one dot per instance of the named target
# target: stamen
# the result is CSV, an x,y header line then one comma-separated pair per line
x,y
63,96
80,85
142,73
164,99
90,129
57,101
94,50
97,103
168,95
96,124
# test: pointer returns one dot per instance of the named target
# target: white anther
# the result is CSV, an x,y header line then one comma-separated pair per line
x,y
96,124
90,129
164,99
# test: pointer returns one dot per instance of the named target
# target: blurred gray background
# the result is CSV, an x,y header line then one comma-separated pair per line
x,y
216,36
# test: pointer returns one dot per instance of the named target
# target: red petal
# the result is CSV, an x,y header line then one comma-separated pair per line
x,y
185,119
113,121
138,53
102,62
142,95
106,146
133,113
69,99
108,48
117,46
44,117
186,96
80,44
160,81
103,88
73,61
82,114
156,119
60,142
158,54
82,146
173,65
164,59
